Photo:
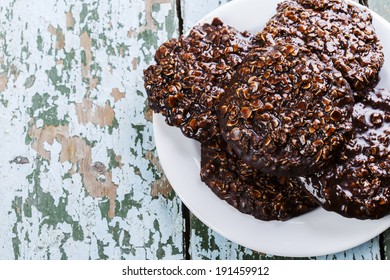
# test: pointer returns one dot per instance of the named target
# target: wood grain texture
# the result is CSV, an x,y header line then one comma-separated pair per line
x,y
206,243
80,178
386,244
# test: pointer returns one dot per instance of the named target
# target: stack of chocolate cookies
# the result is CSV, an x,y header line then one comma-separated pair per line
x,y
288,118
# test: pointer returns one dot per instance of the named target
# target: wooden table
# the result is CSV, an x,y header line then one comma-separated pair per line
x,y
79,173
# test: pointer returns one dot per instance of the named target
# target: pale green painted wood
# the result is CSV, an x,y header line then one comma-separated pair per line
x,y
381,7
79,174
193,11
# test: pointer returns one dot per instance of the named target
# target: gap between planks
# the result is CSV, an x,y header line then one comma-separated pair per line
x,y
185,211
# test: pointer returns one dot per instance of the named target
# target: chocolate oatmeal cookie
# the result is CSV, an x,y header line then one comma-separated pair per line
x,y
358,184
286,112
248,190
192,73
334,30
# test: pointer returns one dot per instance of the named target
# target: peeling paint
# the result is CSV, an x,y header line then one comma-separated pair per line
x,y
135,63
3,82
87,112
78,184
148,114
93,83
86,44
70,20
117,94
60,38
29,82
160,186
20,160
76,151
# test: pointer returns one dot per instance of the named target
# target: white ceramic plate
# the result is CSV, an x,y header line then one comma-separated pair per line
x,y
316,233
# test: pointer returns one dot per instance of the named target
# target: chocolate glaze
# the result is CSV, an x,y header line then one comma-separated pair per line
x,y
338,32
192,73
286,112
247,189
358,184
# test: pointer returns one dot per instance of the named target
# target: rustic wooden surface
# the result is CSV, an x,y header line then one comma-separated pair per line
x,y
80,177
79,174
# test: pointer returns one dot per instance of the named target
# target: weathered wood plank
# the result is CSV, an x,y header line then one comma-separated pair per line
x,y
386,244
206,243
79,174
382,7
193,12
